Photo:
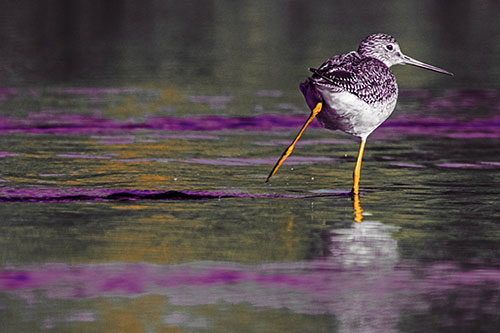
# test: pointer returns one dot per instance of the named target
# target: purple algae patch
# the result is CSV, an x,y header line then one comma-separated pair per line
x,y
433,126
304,282
5,154
449,123
407,165
478,165
461,165
13,279
134,160
490,163
56,123
83,156
6,92
129,284
218,276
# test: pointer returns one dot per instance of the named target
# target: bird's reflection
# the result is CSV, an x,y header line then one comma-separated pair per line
x,y
369,243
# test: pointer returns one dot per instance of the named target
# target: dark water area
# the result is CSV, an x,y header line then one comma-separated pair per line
x,y
136,138
226,46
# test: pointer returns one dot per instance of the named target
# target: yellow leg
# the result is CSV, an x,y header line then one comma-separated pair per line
x,y
289,150
357,169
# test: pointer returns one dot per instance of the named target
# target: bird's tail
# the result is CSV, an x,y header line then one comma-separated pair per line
x,y
312,97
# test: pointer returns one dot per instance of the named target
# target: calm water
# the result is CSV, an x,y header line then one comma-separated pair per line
x,y
132,189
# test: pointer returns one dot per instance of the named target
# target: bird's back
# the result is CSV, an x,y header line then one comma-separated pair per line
x,y
359,93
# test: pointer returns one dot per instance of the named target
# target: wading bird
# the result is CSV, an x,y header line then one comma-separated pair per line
x,y
355,92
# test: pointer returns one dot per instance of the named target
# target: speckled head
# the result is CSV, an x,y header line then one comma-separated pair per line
x,y
382,47
386,49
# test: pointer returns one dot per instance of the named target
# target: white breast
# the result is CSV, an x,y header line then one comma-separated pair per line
x,y
346,112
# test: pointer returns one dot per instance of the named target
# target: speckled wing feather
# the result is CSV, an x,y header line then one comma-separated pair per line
x,y
367,78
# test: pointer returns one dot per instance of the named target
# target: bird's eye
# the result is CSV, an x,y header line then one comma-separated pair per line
x,y
389,47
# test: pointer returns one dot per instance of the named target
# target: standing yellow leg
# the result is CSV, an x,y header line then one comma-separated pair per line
x,y
357,169
289,150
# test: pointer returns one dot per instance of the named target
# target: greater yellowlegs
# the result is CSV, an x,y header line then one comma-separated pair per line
x,y
355,92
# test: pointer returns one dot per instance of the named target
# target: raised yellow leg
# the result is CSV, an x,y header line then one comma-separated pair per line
x,y
357,169
289,150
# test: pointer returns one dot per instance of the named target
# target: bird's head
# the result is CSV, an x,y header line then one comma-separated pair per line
x,y
386,49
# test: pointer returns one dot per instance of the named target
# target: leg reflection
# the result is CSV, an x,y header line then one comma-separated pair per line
x,y
358,211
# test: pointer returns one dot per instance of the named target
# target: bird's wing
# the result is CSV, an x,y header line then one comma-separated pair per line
x,y
367,78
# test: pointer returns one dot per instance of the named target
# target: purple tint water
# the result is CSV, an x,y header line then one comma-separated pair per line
x,y
71,124
437,116
312,287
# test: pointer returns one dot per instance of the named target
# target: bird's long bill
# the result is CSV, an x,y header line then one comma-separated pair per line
x,y
410,61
